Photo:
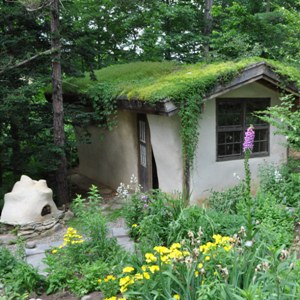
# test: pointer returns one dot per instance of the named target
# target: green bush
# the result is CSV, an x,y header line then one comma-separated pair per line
x,y
226,201
275,223
282,182
148,215
91,255
17,275
210,221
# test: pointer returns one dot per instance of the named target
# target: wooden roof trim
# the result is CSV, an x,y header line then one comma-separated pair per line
x,y
163,108
258,72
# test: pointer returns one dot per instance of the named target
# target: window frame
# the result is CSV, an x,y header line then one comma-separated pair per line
x,y
242,127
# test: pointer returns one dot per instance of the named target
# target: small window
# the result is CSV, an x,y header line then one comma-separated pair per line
x,y
234,116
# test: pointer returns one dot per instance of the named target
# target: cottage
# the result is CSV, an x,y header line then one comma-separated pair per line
x,y
182,126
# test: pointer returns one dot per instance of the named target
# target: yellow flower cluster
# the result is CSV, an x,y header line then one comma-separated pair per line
x,y
72,237
108,278
224,242
114,298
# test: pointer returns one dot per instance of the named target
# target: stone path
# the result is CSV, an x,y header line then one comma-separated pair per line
x,y
35,255
35,250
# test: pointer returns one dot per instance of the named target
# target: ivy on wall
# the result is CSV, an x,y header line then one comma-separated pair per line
x,y
185,85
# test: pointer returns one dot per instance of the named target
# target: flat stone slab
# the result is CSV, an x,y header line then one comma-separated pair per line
x,y
41,248
126,243
119,232
8,239
37,262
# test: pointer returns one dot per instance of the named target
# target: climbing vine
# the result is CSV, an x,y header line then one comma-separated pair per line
x,y
185,85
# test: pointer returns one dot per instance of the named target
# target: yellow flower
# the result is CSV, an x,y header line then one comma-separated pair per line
x,y
196,273
138,276
165,259
227,248
175,246
109,277
150,258
99,280
146,275
111,298
177,297
54,251
144,268
128,269
200,265
154,268
134,225
124,280
162,249
207,258
123,289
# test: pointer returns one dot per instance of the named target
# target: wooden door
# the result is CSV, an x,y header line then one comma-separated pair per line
x,y
145,153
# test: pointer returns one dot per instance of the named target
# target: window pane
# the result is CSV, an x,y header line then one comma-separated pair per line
x,y
221,137
221,150
229,113
237,148
253,106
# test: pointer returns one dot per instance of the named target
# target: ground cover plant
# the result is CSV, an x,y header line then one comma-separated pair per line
x,y
240,249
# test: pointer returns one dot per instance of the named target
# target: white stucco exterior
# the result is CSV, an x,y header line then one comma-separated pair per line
x,y
208,173
111,157
167,150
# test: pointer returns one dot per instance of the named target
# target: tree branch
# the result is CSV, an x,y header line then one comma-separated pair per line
x,y
27,60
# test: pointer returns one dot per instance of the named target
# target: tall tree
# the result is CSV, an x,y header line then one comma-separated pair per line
x,y
58,109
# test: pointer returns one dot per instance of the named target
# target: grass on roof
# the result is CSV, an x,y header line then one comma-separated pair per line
x,y
153,81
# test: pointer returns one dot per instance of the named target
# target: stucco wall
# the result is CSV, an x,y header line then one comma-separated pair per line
x,y
208,174
111,156
166,147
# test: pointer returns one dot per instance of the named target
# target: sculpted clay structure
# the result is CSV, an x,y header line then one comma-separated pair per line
x,y
29,201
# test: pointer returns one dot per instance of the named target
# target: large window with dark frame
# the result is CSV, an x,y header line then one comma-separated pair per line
x,y
233,118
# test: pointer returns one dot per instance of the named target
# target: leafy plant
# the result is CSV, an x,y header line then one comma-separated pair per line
x,y
226,201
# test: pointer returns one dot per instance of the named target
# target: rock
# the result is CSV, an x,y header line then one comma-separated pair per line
x,y
8,239
87,297
68,215
30,245
57,227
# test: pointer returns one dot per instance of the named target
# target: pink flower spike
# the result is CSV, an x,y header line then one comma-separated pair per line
x,y
249,139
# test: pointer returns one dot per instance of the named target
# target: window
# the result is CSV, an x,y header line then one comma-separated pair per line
x,y
233,118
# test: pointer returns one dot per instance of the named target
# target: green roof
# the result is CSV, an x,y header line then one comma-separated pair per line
x,y
154,81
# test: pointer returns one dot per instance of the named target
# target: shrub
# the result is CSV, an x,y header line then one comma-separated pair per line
x,y
91,254
282,182
226,201
19,277
275,221
148,215
210,221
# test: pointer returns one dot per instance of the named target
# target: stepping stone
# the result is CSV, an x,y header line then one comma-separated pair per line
x,y
126,243
119,232
8,239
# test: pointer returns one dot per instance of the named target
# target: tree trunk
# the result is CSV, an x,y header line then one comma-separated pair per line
x,y
207,25
16,152
58,110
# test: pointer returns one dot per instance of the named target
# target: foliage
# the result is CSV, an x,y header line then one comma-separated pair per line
x,y
282,182
92,255
186,85
286,118
227,200
148,215
194,219
275,222
17,275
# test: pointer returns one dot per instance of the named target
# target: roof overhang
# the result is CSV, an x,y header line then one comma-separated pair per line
x,y
163,108
261,73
